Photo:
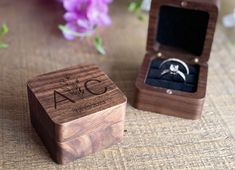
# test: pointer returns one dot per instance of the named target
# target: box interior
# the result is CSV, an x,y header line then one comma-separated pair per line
x,y
169,81
182,29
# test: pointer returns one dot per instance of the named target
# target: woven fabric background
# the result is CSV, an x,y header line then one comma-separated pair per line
x,y
152,141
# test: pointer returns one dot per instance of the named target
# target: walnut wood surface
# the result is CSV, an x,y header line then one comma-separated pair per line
x,y
85,114
181,104
210,6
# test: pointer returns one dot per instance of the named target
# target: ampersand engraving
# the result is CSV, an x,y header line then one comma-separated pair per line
x,y
72,87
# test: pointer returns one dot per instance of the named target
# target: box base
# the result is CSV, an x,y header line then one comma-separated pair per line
x,y
81,146
169,105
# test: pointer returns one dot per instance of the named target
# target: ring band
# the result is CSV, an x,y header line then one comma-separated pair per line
x,y
176,60
174,69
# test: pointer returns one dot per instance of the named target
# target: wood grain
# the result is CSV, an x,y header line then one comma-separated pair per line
x,y
75,103
178,103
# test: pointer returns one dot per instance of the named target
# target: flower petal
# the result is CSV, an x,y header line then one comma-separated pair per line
x,y
70,16
67,35
105,20
70,5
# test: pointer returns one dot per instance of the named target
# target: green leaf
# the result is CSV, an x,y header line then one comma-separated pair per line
x,y
139,4
132,6
3,30
98,45
65,29
3,45
141,17
135,7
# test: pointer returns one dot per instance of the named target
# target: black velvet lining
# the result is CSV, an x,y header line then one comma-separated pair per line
x,y
182,28
173,82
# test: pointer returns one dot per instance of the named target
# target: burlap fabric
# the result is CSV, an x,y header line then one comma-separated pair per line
x,y
152,141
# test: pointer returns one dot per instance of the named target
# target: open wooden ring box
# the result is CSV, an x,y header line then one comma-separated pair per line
x,y
183,30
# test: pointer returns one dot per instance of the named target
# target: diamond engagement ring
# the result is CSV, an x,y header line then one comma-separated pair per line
x,y
177,61
174,70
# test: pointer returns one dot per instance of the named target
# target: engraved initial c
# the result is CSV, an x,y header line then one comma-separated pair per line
x,y
92,92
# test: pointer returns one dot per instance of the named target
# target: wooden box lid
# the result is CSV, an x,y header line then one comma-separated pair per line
x,y
182,29
75,101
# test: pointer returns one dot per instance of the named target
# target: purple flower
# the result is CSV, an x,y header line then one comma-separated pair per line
x,y
84,16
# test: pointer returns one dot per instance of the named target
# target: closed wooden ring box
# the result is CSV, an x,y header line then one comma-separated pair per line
x,y
182,30
76,111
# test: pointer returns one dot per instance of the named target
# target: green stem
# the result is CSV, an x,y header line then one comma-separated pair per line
x,y
99,45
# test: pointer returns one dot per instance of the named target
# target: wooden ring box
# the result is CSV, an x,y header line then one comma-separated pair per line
x,y
183,30
76,111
